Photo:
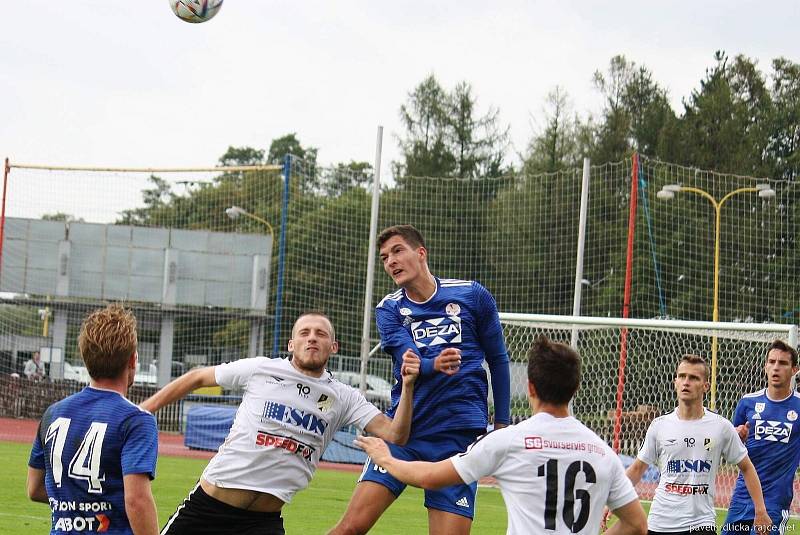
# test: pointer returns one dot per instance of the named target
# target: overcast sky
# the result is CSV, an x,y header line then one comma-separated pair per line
x,y
91,82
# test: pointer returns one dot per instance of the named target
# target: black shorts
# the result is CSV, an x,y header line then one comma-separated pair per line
x,y
203,515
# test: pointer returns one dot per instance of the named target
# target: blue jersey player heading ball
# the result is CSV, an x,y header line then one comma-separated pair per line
x,y
768,421
454,327
95,452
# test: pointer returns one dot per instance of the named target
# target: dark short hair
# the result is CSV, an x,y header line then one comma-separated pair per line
x,y
554,369
695,359
410,235
780,345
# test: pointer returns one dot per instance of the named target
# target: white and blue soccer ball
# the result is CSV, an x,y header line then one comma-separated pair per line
x,y
195,10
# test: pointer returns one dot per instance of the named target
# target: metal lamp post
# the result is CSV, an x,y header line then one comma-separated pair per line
x,y
668,192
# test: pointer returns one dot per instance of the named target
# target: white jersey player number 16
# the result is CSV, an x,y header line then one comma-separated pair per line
x,y
574,520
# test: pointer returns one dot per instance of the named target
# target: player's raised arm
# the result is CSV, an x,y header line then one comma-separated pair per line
x,y
180,387
420,474
398,429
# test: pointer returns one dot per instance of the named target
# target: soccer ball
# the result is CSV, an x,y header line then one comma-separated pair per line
x,y
195,10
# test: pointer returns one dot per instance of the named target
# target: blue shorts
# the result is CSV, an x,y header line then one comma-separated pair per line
x,y
740,519
457,499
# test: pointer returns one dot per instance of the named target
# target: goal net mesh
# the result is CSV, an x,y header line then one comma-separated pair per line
x,y
652,351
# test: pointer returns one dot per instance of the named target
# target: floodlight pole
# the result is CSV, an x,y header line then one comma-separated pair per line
x,y
235,211
764,192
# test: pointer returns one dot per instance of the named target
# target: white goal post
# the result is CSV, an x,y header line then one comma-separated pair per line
x,y
628,364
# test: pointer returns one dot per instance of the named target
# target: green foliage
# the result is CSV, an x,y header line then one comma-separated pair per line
x,y
445,137
725,121
783,147
635,111
289,144
235,156
736,120
556,146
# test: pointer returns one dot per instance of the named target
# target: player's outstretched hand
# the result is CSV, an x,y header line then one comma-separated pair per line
x,y
448,361
762,522
409,370
743,430
376,448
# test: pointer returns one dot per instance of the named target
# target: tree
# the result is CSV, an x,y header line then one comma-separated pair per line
x,y
289,144
783,146
555,146
478,144
305,158
445,137
613,143
648,110
724,126
635,111
346,176
157,204
424,147
236,156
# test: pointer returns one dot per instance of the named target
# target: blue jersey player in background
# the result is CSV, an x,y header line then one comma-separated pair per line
x,y
768,421
454,327
95,452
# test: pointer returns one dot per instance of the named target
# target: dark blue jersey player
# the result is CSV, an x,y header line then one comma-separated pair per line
x,y
768,420
95,452
454,327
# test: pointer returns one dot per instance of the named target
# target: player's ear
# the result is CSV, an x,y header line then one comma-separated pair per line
x,y
531,390
422,252
132,360
291,345
334,346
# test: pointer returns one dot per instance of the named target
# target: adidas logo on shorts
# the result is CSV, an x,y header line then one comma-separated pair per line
x,y
463,502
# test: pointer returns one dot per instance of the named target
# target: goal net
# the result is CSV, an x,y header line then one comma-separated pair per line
x,y
629,367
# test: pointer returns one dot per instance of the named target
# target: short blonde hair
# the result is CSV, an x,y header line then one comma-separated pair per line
x,y
319,313
107,340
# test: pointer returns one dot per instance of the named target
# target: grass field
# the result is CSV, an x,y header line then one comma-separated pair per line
x,y
313,510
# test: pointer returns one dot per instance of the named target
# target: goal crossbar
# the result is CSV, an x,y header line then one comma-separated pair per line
x,y
586,322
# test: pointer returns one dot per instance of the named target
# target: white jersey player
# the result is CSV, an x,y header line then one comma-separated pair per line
x,y
555,474
289,412
687,445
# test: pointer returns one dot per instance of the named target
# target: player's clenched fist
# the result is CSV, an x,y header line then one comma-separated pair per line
x,y
376,449
448,361
409,369
743,430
